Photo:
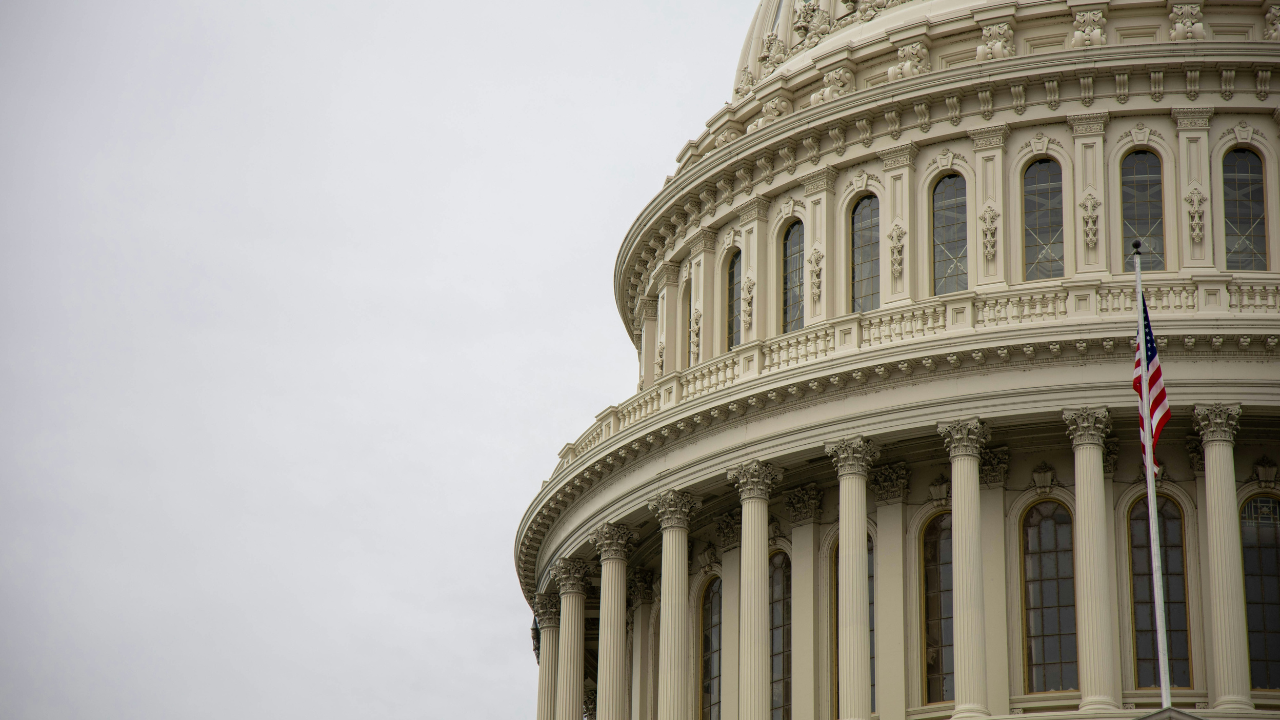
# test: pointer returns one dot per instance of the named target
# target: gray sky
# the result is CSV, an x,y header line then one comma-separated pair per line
x,y
299,301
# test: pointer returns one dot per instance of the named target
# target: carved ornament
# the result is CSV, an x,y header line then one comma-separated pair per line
x,y
890,483
673,508
1087,426
805,505
964,437
571,575
613,541
754,479
1217,422
853,455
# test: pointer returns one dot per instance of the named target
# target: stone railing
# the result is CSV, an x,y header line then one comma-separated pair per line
x,y
1254,297
638,408
1119,298
1019,308
710,376
888,326
798,347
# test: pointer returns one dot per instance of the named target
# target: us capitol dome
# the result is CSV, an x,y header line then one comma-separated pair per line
x,y
883,458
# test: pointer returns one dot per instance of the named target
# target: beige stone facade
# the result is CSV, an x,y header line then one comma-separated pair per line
x,y
886,295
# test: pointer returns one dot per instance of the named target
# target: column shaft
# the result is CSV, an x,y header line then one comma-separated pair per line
x,y
673,646
611,679
753,673
1094,609
569,675
854,612
1226,581
549,644
964,440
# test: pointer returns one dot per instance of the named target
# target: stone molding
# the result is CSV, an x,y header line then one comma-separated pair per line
x,y
993,467
755,479
1192,118
890,483
853,455
1217,422
989,137
640,589
673,508
964,437
729,529
899,156
1087,426
613,541
571,575
804,505
1088,124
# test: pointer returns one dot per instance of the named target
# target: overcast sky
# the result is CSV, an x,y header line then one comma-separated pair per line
x,y
299,302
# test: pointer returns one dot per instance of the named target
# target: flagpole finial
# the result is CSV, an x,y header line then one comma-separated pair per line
x,y
1137,247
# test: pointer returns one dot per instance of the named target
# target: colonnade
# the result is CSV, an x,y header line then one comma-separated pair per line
x,y
561,624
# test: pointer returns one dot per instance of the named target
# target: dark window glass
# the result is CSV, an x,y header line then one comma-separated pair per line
x,y
793,278
1260,531
780,636
1049,598
939,659
735,300
1142,209
866,254
1042,220
711,651
950,237
1175,593
1243,207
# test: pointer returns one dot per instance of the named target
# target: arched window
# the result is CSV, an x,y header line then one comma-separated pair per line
x,y
1142,209
950,236
735,300
1243,204
711,650
780,636
793,278
939,660
866,254
1260,535
1175,593
1049,598
835,620
1042,220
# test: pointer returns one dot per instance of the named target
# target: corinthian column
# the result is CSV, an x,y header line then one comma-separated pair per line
x,y
852,458
673,509
964,439
572,577
1096,633
613,542
1217,425
754,480
547,610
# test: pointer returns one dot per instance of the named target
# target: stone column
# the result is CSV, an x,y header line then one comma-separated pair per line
x,y
754,480
640,588
613,542
964,440
852,458
572,577
547,610
1217,424
673,509
805,506
1096,624
646,323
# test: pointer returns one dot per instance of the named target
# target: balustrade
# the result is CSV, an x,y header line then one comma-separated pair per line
x,y
709,377
799,347
1020,308
1254,298
926,318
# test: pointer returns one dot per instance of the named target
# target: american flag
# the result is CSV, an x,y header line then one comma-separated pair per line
x,y
1155,383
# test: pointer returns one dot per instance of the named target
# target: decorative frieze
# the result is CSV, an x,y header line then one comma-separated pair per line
x,y
853,455
673,508
1110,456
1195,454
1088,124
755,479
1087,426
804,505
964,437
989,137
1089,29
820,180
1192,118
1217,422
1271,23
896,236
815,279
756,208
571,575
988,218
773,52
770,112
1089,220
1187,23
613,541
748,301
899,156
1196,214
890,483
746,83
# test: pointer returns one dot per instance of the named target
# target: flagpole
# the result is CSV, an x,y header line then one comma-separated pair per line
x,y
1153,522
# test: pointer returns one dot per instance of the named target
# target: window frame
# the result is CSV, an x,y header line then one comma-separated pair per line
x,y
932,211
1250,494
1022,593
924,610
1171,247
1221,217
782,306
1064,229
854,205
708,583
790,675
1131,672
732,301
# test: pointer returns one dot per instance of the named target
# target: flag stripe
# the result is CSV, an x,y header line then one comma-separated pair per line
x,y
1159,404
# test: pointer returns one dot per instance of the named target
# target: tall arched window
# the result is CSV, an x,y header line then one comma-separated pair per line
x,y
711,650
1260,535
1175,593
1142,209
1049,598
1243,204
866,254
793,278
735,300
780,636
939,636
835,620
1042,220
950,236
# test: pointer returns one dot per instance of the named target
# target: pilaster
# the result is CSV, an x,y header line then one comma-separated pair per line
x,y
890,485
668,278
900,237
1091,242
707,309
1195,240
805,505
647,315
758,314
824,253
640,591
991,263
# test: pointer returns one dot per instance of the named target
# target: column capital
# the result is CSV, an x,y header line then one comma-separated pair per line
x,y
1088,123
640,587
571,574
1192,118
993,467
754,479
589,704
1087,426
1217,422
613,541
804,504
673,508
546,609
729,529
890,483
853,454
965,437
